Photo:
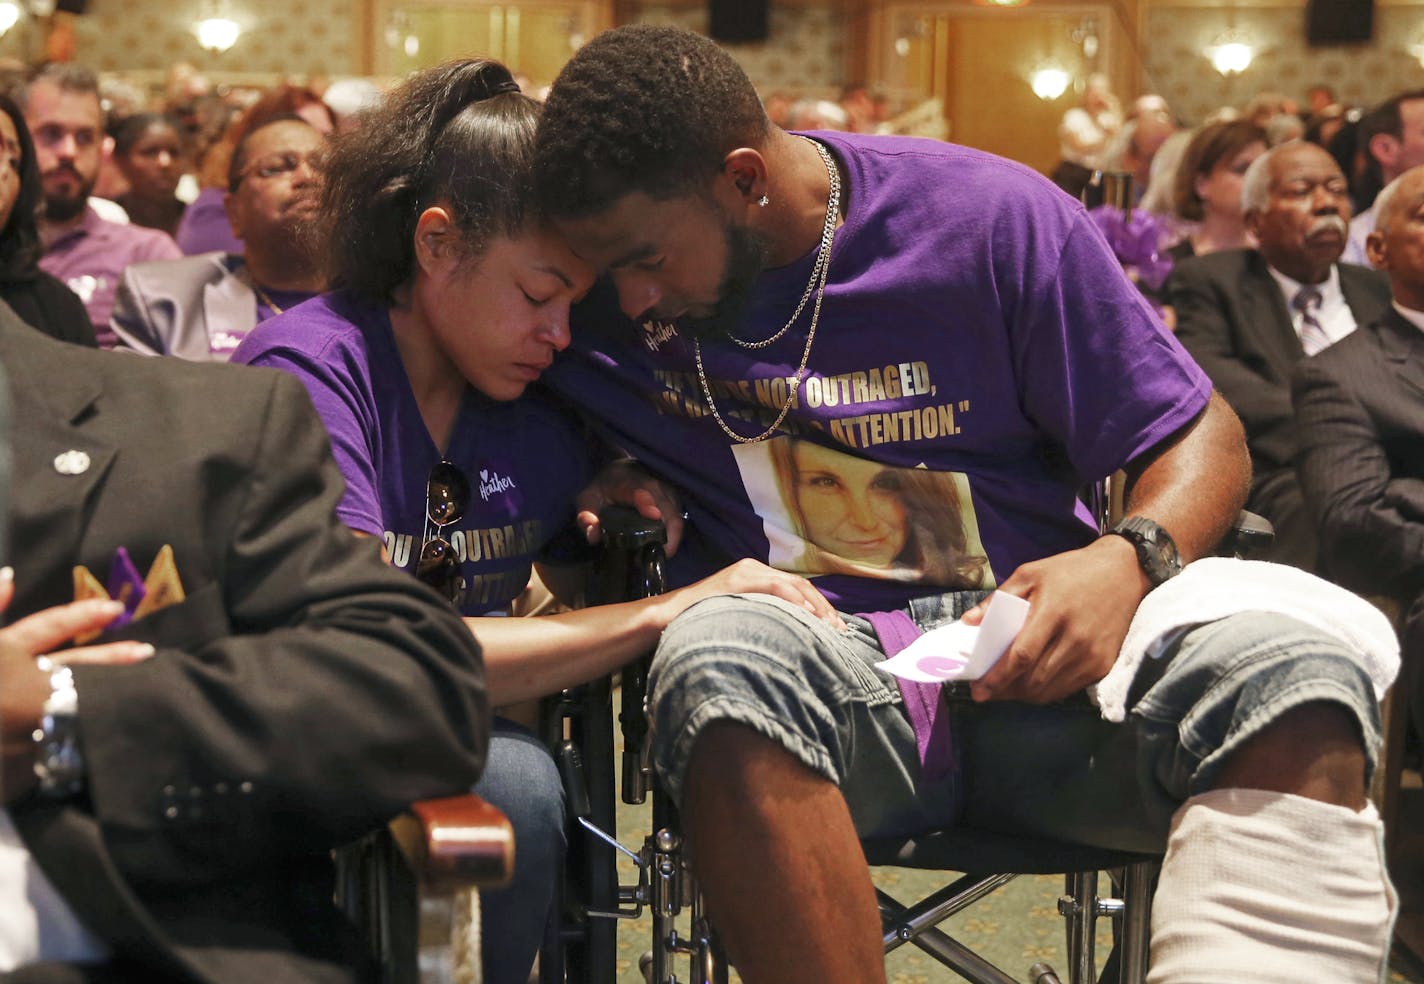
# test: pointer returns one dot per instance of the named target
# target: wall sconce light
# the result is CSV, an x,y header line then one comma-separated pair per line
x,y
217,34
1230,53
1049,83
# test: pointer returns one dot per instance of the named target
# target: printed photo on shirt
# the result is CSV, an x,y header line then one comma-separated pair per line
x,y
828,512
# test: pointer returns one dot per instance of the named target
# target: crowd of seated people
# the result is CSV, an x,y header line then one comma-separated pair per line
x,y
506,313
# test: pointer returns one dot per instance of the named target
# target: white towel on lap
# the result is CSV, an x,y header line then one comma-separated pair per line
x,y
1216,587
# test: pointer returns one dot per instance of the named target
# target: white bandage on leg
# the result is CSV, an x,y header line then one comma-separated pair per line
x,y
1269,888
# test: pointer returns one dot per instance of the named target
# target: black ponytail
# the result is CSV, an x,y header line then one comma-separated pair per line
x,y
461,134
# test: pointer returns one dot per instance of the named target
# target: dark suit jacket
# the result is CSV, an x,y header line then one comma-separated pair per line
x,y
1233,319
46,303
1360,405
174,307
301,695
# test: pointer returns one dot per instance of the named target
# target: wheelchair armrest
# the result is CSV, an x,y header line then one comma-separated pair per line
x,y
1249,535
455,843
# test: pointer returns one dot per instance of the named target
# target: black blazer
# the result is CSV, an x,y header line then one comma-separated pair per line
x,y
1360,406
302,694
48,304
1233,320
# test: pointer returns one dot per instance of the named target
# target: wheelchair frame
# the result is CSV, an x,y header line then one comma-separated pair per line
x,y
581,948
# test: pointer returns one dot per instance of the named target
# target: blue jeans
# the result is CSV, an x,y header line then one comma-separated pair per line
x,y
521,779
1057,771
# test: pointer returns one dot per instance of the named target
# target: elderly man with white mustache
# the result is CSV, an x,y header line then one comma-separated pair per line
x,y
1249,316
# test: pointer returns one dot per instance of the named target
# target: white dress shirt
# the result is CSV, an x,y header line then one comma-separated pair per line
x,y
1415,318
1360,228
35,922
1335,316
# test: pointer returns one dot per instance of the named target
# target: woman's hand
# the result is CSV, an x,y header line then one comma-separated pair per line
x,y
24,687
754,577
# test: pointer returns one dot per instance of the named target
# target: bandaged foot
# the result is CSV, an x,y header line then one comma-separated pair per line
x,y
1268,888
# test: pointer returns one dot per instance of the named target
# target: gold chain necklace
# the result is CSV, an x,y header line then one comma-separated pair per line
x,y
262,295
819,273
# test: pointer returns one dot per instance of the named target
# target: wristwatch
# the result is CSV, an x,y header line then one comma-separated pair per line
x,y
59,765
1156,552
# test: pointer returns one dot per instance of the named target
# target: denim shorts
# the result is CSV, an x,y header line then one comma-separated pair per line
x,y
1057,770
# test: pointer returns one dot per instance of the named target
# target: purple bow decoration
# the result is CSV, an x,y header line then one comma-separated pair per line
x,y
1139,242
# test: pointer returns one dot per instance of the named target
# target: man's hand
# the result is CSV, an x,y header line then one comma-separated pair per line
x,y
24,687
626,483
1080,606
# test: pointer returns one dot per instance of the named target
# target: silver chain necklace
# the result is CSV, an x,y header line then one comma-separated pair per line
x,y
817,283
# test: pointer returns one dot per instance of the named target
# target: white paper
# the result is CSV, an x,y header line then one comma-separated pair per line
x,y
961,652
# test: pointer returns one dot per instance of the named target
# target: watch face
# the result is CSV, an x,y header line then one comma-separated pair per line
x,y
1166,555
1155,550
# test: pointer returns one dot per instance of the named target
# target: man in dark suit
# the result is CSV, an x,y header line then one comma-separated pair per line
x,y
1249,316
1361,411
175,812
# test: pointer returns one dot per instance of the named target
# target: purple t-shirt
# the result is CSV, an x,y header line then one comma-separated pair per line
x,y
204,227
979,359
525,460
90,258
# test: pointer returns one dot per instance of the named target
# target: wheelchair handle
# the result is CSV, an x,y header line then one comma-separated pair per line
x,y
570,762
624,528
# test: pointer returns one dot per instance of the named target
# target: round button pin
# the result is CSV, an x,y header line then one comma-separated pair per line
x,y
71,463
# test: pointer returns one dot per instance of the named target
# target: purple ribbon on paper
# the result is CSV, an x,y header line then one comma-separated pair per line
x,y
923,701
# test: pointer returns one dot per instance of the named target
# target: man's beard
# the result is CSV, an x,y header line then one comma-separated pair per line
x,y
65,209
746,258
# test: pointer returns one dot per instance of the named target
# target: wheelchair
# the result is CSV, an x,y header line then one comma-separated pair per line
x,y
419,874
581,948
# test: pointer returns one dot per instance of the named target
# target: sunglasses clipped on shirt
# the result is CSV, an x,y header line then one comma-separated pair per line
x,y
447,493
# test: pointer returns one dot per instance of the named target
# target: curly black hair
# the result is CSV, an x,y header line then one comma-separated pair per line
x,y
460,134
641,108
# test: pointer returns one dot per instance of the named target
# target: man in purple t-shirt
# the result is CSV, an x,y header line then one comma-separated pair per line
x,y
891,364
87,252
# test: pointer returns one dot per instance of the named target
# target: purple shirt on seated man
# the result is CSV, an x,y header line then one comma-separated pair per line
x,y
92,256
916,347
61,106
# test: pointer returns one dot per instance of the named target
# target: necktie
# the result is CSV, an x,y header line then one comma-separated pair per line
x,y
1312,337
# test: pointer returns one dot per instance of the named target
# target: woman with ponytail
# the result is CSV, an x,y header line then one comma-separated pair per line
x,y
450,296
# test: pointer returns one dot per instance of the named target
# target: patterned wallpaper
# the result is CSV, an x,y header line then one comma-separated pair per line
x,y
321,37
805,52
1360,74
313,38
